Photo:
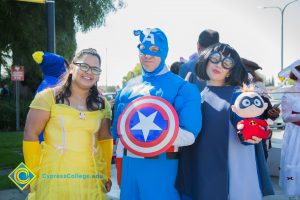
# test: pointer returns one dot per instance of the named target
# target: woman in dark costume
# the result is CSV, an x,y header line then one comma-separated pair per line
x,y
218,166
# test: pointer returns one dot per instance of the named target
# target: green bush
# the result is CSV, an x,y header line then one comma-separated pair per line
x,y
10,156
8,113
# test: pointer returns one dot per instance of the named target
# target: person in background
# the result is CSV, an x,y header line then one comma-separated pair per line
x,y
1,88
78,143
53,67
5,91
218,166
205,39
289,178
175,67
271,112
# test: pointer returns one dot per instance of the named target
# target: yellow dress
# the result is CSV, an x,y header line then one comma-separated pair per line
x,y
71,165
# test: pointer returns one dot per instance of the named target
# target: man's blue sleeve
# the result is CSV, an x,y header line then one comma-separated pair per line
x,y
188,107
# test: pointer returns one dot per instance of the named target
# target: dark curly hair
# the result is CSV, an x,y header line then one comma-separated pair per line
x,y
238,74
93,101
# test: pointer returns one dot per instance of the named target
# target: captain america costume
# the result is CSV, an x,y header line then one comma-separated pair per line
x,y
153,177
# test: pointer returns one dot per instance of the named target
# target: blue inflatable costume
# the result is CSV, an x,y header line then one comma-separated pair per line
x,y
53,67
153,177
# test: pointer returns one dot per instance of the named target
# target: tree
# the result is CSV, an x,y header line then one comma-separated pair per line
x,y
138,69
111,88
4,57
24,31
131,74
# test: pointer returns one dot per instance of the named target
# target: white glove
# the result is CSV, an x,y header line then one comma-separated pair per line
x,y
184,138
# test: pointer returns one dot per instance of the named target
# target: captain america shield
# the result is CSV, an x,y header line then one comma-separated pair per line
x,y
148,126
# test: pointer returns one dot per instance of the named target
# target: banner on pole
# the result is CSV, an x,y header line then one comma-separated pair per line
x,y
33,1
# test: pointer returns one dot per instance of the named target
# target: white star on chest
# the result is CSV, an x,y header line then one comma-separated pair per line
x,y
141,89
146,124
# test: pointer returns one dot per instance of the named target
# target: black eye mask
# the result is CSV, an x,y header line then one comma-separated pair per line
x,y
248,101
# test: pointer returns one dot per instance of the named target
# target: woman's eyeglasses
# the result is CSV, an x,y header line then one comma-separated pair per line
x,y
86,67
216,57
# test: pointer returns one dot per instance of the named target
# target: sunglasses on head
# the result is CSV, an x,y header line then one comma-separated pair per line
x,y
86,67
216,58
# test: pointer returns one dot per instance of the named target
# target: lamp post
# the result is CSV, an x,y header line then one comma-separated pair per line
x,y
282,14
51,46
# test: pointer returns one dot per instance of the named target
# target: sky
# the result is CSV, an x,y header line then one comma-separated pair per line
x,y
255,33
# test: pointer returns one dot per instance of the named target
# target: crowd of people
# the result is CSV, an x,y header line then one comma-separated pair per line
x,y
173,127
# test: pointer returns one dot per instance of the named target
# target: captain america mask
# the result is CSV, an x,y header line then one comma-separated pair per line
x,y
153,42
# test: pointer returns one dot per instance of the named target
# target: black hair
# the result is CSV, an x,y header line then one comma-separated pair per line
x,y
175,67
66,64
238,74
208,37
89,51
93,101
251,68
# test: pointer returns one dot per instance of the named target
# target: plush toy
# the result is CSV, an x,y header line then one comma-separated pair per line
x,y
247,107
53,67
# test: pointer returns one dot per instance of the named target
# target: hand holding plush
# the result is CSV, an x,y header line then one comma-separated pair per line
x,y
248,106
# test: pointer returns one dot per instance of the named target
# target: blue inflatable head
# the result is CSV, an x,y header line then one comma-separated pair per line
x,y
53,65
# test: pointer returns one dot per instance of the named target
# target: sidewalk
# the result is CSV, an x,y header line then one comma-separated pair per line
x,y
273,165
16,194
114,194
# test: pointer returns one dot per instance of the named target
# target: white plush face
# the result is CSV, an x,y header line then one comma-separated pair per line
x,y
249,105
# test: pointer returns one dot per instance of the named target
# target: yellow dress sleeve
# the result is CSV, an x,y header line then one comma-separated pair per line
x,y
107,110
43,100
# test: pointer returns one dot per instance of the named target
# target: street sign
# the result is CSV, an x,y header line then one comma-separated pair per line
x,y
17,73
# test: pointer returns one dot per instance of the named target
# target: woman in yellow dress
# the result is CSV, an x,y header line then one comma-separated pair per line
x,y
74,160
